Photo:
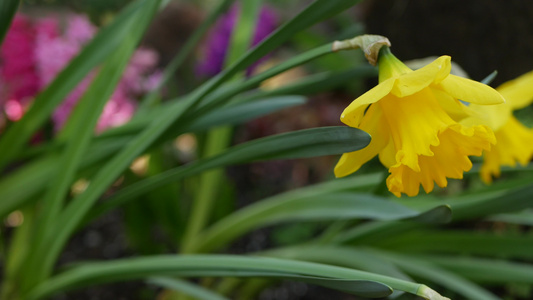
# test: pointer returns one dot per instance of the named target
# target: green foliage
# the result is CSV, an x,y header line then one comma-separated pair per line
x,y
342,234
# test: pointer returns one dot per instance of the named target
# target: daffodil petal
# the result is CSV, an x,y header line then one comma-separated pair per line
x,y
414,123
413,82
353,114
514,146
453,107
470,90
387,156
518,92
494,116
450,160
375,126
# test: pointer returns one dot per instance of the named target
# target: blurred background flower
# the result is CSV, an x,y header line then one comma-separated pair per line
x,y
213,55
35,52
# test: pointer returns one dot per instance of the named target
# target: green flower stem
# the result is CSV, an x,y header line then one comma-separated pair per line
x,y
219,139
18,250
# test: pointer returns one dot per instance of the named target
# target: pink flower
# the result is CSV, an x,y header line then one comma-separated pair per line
x,y
17,64
34,54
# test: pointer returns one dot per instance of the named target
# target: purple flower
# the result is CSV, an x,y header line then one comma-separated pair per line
x,y
216,45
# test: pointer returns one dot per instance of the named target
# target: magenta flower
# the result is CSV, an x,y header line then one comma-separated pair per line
x,y
33,55
18,73
216,45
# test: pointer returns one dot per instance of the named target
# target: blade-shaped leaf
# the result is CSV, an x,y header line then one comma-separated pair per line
x,y
431,272
32,177
185,287
82,121
511,245
331,206
239,113
485,270
303,143
8,8
357,282
340,256
524,217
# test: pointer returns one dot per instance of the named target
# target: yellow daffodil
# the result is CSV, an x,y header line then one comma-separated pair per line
x,y
412,118
514,140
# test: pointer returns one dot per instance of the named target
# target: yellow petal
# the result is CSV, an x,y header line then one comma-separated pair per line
x,y
353,114
470,90
413,82
373,124
494,116
453,107
450,160
387,156
514,146
414,123
518,92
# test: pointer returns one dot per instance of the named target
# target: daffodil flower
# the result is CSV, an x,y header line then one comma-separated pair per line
x,y
514,139
412,118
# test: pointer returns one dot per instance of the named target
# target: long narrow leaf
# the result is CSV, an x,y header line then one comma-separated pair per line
x,y
8,8
339,256
485,270
185,287
32,177
462,242
367,284
83,123
303,143
332,206
433,273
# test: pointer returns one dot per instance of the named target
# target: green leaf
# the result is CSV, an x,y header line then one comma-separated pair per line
x,y
82,121
317,83
475,206
17,188
524,217
303,143
356,282
431,272
33,176
331,206
484,270
185,287
240,113
242,34
462,242
8,8
340,256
